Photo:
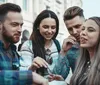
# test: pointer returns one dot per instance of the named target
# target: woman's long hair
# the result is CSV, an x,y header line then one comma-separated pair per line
x,y
37,39
94,73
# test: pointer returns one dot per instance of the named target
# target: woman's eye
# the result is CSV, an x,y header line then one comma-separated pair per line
x,y
90,29
53,27
45,27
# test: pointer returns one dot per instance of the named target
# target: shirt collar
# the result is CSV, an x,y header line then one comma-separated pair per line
x,y
12,46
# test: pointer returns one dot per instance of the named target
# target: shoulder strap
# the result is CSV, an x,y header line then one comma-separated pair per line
x,y
57,45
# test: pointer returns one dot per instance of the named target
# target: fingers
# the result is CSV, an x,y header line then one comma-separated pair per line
x,y
35,65
58,77
39,62
70,39
67,43
51,77
55,77
37,79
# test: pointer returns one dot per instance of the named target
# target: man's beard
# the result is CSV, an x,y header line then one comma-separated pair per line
x,y
7,37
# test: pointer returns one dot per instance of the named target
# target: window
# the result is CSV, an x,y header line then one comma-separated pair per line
x,y
58,1
2,1
25,5
47,7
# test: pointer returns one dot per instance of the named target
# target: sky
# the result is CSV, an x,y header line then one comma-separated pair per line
x,y
91,8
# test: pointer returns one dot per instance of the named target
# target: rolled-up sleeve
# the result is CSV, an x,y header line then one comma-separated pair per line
x,y
62,66
27,55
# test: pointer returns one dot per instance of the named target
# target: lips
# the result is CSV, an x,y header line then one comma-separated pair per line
x,y
48,35
17,35
83,40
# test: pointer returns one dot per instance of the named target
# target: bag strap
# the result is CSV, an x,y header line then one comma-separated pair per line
x,y
57,45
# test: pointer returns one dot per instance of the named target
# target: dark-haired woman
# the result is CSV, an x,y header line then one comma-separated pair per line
x,y
40,52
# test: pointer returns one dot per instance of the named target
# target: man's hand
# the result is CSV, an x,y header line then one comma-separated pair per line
x,y
39,80
67,44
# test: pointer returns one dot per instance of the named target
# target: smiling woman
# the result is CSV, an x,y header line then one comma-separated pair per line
x,y
42,41
47,28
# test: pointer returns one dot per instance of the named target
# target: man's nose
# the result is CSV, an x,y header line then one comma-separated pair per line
x,y
74,31
20,28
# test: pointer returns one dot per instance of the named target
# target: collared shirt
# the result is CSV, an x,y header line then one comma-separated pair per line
x,y
9,68
64,63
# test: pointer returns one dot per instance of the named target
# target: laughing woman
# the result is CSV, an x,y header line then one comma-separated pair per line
x,y
41,51
87,71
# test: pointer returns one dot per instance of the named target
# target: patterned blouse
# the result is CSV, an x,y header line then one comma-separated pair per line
x,y
27,56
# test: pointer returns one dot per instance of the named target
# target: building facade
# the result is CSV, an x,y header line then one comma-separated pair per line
x,y
31,8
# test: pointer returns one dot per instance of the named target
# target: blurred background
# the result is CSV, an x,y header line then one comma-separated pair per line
x,y
31,8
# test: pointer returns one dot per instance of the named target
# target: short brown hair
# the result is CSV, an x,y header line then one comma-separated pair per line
x,y
72,12
6,7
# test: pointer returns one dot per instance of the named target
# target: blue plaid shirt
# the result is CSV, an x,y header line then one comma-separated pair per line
x,y
64,63
9,68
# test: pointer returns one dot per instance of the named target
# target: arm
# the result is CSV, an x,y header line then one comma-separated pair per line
x,y
62,67
64,60
39,79
27,60
27,55
9,77
73,54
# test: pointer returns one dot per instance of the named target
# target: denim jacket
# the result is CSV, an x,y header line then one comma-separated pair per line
x,y
64,63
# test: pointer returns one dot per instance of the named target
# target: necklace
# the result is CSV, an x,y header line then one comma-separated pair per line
x,y
48,44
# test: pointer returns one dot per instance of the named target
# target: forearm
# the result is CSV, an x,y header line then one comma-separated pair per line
x,y
39,79
62,67
11,77
25,60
